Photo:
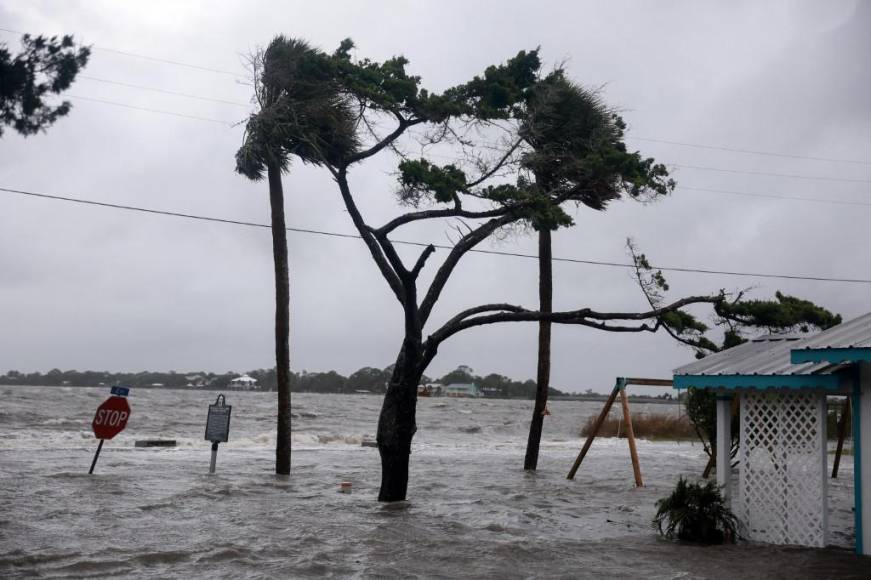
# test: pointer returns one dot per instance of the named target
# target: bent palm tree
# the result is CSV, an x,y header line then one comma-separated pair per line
x,y
301,113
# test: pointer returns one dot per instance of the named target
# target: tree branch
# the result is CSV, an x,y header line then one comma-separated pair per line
x,y
403,125
418,266
487,175
365,231
439,213
392,256
465,244
584,317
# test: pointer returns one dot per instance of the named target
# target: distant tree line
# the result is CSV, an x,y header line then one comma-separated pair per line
x,y
369,379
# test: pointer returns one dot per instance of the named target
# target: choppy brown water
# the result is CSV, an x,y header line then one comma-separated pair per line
x,y
473,512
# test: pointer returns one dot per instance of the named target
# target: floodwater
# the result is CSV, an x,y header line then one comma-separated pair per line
x,y
473,511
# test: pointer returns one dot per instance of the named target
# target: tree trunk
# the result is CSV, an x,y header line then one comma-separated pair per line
x,y
282,320
397,425
545,297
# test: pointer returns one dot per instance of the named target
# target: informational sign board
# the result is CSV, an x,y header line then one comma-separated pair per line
x,y
111,417
218,421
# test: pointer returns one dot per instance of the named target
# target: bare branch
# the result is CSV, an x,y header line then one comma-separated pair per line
x,y
465,244
493,170
365,231
439,213
403,125
418,266
584,317
654,298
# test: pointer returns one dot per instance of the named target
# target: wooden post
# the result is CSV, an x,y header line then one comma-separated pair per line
x,y
842,432
630,435
605,410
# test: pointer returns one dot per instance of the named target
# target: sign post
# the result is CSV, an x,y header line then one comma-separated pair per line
x,y
110,419
218,427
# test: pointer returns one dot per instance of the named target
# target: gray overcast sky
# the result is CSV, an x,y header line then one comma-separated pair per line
x,y
90,288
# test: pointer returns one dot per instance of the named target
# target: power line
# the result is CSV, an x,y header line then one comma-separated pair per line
x,y
439,246
791,175
164,91
771,196
149,110
751,151
152,58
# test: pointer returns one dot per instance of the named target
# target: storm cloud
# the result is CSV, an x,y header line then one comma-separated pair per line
x,y
93,288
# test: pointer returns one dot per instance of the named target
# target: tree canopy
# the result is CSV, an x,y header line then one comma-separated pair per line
x,y
44,67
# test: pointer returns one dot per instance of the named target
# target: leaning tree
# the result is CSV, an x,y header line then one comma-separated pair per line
x,y
485,192
301,113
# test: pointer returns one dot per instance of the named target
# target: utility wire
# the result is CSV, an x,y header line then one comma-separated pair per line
x,y
439,246
791,175
750,151
771,196
152,58
164,91
149,110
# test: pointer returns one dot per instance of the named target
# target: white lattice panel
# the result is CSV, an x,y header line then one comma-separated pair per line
x,y
782,491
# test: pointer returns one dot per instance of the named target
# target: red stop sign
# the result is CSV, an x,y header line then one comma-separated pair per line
x,y
111,417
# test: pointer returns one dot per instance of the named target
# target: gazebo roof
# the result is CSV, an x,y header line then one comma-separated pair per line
x,y
847,342
783,361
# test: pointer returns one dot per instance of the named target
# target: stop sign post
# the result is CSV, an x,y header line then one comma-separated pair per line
x,y
110,419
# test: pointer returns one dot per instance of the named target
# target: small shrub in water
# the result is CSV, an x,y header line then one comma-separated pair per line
x,y
696,513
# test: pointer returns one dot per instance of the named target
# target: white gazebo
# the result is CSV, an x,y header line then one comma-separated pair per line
x,y
782,383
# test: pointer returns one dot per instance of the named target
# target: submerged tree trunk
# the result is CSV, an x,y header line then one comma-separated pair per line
x,y
282,319
396,425
545,296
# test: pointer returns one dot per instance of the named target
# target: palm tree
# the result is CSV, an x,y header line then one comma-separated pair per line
x,y
301,113
576,153
696,513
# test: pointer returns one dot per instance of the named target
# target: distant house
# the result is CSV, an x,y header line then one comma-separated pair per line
x,y
466,390
245,383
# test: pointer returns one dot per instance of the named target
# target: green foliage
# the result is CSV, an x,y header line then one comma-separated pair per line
x,y
681,322
577,150
696,513
387,87
785,313
500,92
419,179
45,67
303,112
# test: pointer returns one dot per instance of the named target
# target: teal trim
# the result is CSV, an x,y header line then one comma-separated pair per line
x,y
827,382
857,459
830,355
